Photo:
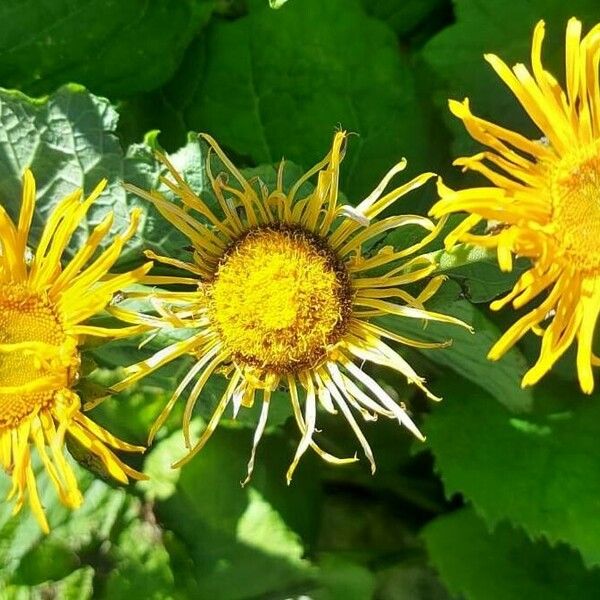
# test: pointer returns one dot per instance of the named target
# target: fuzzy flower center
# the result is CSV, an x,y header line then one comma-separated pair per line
x,y
31,336
279,298
575,191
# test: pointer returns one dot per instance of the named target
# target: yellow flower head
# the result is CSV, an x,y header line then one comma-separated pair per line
x,y
42,310
544,201
282,294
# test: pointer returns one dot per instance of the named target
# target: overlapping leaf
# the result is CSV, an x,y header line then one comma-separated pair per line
x,y
505,564
277,84
68,562
456,56
243,542
113,47
68,141
539,471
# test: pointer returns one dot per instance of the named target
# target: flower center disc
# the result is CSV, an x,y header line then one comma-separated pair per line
x,y
279,298
25,317
575,193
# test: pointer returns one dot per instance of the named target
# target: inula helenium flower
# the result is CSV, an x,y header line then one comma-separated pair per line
x,y
43,307
282,294
544,201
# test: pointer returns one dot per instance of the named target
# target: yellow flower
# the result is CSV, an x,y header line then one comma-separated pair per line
x,y
544,201
282,294
42,310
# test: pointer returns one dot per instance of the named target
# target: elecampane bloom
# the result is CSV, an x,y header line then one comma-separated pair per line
x,y
43,309
281,293
543,203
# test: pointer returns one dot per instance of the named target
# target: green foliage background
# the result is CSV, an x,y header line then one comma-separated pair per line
x,y
503,500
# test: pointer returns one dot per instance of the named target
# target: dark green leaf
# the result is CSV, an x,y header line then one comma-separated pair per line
x,y
503,28
243,542
112,536
116,47
404,15
476,270
265,96
78,585
341,578
539,471
504,565
142,564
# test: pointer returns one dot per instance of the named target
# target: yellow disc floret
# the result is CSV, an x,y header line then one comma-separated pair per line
x,y
284,283
575,191
33,343
279,298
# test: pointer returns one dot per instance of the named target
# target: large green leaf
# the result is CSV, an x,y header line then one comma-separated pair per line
x,y
78,585
341,578
456,55
142,564
242,542
112,539
505,564
29,557
539,471
277,84
406,15
116,47
68,141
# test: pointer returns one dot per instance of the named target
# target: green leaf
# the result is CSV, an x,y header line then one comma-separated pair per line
x,y
114,47
409,581
265,96
505,564
142,564
112,537
404,16
48,560
242,542
341,578
539,471
31,558
78,585
68,141
474,268
467,354
456,55
131,413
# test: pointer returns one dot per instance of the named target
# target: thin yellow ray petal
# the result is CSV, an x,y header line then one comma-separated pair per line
x,y
590,311
258,433
383,397
197,389
206,434
307,424
339,400
34,501
137,371
26,213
